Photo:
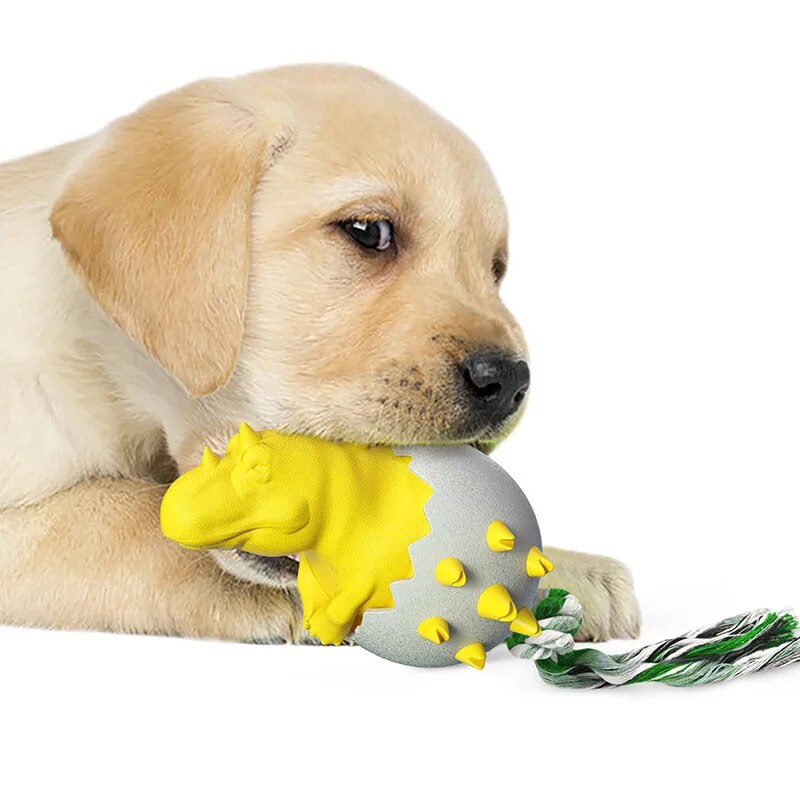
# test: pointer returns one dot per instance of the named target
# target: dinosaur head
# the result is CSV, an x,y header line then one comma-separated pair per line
x,y
249,499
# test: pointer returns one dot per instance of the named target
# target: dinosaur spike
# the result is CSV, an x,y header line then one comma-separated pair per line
x,y
472,654
450,572
499,537
537,564
526,623
247,437
434,629
209,459
496,603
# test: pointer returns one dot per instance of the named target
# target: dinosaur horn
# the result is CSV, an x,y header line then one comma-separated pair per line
x,y
247,437
209,459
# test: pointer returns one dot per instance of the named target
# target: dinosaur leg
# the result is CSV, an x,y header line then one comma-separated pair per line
x,y
333,621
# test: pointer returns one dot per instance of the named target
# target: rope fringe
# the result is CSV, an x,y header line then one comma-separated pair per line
x,y
736,646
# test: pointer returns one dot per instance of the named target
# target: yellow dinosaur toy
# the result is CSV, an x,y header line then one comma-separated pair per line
x,y
427,555
349,510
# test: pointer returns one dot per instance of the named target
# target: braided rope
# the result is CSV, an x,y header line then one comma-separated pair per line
x,y
736,646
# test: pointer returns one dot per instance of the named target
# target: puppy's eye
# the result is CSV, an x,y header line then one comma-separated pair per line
x,y
499,268
375,234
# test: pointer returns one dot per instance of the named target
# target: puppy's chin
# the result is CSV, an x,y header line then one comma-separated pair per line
x,y
483,438
411,430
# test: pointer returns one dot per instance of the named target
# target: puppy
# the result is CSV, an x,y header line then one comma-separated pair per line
x,y
308,248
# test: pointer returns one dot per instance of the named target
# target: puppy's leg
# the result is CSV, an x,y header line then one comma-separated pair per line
x,y
93,557
605,590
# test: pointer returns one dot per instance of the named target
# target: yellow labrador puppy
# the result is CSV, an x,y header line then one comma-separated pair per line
x,y
309,248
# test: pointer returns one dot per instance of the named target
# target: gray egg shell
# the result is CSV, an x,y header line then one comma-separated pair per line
x,y
470,492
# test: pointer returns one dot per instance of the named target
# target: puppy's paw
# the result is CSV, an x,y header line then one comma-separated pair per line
x,y
249,604
279,623
604,588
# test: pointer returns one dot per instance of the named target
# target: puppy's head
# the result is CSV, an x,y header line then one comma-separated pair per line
x,y
379,242
310,248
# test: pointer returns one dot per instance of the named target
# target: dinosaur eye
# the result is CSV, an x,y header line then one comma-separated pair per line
x,y
375,234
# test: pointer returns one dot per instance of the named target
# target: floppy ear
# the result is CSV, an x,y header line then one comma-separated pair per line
x,y
156,225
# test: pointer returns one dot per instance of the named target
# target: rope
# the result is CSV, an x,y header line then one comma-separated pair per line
x,y
736,646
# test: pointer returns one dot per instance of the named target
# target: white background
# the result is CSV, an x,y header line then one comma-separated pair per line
x,y
650,156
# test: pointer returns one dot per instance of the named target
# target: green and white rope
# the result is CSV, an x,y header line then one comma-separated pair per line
x,y
736,646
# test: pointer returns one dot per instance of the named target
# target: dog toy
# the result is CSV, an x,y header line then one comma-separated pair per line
x,y
429,556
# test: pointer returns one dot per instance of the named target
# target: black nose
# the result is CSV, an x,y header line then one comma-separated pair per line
x,y
496,383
